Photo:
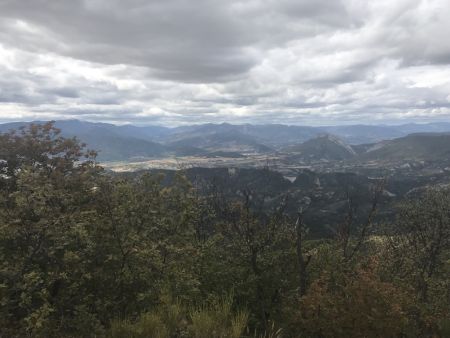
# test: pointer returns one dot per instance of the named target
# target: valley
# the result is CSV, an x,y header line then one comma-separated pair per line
x,y
193,205
276,161
224,169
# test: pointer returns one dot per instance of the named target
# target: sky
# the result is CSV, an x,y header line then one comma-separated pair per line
x,y
176,62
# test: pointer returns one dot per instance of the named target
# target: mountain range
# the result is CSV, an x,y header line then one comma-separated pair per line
x,y
128,142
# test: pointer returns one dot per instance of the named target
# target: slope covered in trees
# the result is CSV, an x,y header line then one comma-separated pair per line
x,y
84,254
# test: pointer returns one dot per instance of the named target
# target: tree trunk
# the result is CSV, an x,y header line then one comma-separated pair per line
x,y
302,262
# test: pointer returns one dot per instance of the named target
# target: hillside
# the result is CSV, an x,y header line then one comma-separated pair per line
x,y
327,147
113,147
359,134
421,146
363,134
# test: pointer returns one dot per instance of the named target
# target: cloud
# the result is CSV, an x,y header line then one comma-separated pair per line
x,y
179,62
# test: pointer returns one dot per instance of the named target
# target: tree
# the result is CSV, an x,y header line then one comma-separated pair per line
x,y
357,304
351,243
40,147
302,259
67,230
420,239
257,247
45,191
417,258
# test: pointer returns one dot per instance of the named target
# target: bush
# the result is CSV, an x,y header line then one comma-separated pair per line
x,y
213,320
356,304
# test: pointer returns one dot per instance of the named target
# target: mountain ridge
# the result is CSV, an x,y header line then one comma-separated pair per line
x,y
127,142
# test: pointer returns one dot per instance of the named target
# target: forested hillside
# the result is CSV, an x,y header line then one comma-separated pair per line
x,y
84,253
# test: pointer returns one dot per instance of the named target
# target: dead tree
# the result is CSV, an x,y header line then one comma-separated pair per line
x,y
351,243
302,259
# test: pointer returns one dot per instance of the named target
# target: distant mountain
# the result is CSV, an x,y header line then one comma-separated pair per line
x,y
113,143
420,146
113,147
5,127
76,127
362,134
278,136
326,147
129,142
224,141
359,134
436,127
270,135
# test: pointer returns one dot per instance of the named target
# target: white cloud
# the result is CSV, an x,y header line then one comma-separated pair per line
x,y
172,62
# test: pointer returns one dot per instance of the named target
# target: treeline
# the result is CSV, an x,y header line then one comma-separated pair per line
x,y
87,254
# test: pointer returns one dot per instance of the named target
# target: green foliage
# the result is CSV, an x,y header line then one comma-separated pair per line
x,y
417,253
80,248
217,320
172,319
148,325
355,304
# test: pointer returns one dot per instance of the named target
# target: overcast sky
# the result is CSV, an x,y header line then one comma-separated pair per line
x,y
172,62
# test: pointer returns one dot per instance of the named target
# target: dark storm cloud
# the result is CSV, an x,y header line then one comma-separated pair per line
x,y
191,41
181,61
178,39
